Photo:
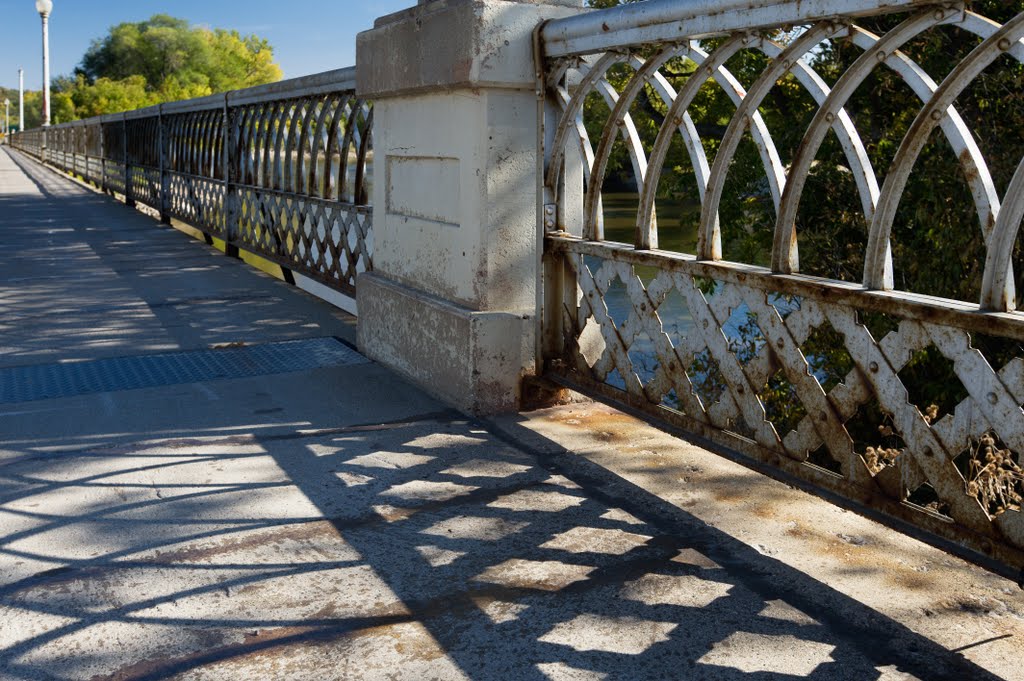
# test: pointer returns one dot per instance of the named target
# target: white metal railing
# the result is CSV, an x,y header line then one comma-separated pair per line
x,y
797,371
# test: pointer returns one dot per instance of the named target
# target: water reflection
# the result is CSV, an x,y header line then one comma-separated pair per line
x,y
677,232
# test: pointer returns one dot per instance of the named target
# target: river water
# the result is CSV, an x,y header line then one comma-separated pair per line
x,y
677,232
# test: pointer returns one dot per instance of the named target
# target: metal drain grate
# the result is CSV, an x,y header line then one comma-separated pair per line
x,y
48,381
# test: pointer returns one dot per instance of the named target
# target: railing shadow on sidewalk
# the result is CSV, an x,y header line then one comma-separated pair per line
x,y
434,546
110,281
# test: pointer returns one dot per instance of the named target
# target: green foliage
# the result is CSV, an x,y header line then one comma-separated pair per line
x,y
106,95
177,60
33,107
162,59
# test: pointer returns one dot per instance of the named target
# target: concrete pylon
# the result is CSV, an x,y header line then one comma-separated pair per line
x,y
452,300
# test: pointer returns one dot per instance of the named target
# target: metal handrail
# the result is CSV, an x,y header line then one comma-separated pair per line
x,y
281,169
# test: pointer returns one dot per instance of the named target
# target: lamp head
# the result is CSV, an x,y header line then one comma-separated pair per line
x,y
44,7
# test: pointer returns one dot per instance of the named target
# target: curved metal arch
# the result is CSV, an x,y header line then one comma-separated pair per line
x,y
619,112
709,237
272,162
773,168
575,104
595,231
708,67
204,122
877,265
295,116
349,113
784,248
997,287
365,142
687,130
280,142
983,190
213,140
330,191
635,147
246,126
319,141
309,143
983,27
844,128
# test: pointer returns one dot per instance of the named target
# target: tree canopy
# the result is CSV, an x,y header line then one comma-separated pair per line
x,y
162,59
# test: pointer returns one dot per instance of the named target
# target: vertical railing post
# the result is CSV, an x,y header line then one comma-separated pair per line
x,y
103,159
128,200
230,161
165,184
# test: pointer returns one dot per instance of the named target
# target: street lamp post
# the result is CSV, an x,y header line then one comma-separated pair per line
x,y
7,119
44,7
21,99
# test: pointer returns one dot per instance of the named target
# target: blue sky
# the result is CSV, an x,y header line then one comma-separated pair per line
x,y
308,38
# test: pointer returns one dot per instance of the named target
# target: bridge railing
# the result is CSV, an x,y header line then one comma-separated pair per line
x,y
904,402
281,170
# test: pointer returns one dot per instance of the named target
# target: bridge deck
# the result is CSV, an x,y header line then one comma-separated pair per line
x,y
280,508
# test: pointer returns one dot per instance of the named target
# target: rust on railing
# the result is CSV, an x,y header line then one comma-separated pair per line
x,y
816,377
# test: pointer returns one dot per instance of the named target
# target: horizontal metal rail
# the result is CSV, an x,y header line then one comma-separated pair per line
x,y
665,21
816,377
283,170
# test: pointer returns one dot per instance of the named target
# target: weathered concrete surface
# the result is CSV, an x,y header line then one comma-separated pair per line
x,y
455,199
453,44
85,277
472,360
341,524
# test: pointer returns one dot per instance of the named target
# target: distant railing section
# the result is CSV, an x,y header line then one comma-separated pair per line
x,y
820,378
281,170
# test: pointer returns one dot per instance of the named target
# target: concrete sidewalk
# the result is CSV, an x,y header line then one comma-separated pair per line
x,y
335,522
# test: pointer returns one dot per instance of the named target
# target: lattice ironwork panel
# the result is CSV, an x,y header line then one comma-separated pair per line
x,y
325,240
841,395
114,179
145,186
693,179
94,170
198,201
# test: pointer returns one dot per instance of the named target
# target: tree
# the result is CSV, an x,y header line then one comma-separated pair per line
x,y
179,60
162,59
